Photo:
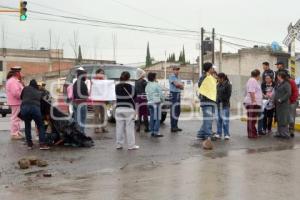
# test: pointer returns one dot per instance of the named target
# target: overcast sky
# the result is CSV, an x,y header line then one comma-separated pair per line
x,y
261,20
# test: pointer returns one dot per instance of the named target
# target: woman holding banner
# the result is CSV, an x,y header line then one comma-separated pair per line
x,y
99,108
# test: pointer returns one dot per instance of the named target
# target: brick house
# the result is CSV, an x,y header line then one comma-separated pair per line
x,y
37,61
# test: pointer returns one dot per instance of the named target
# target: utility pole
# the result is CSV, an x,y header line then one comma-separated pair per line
x,y
213,46
292,60
3,36
165,70
201,61
50,39
114,38
290,42
221,55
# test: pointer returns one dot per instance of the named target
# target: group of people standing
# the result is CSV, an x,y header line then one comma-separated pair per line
x,y
275,98
145,98
140,100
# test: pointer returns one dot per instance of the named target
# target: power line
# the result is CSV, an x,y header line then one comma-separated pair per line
x,y
143,12
242,39
122,25
110,22
176,35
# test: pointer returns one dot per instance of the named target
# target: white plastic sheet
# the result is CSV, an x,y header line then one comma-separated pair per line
x,y
103,90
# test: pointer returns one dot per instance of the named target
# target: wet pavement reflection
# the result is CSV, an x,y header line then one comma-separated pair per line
x,y
174,167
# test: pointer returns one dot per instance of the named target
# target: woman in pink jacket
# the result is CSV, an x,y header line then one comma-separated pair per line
x,y
13,89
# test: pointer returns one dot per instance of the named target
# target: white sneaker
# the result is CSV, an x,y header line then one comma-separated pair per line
x,y
135,147
227,137
217,136
119,147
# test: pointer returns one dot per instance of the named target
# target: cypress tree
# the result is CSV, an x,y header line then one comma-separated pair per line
x,y
183,56
79,58
148,57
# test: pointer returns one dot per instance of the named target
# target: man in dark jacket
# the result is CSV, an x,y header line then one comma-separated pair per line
x,y
267,71
141,100
80,95
31,110
280,68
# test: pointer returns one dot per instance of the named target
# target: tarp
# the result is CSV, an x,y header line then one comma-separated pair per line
x,y
208,88
64,128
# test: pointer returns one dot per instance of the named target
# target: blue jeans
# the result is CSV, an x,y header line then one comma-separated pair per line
x,y
260,123
155,114
175,109
208,117
29,113
80,114
223,121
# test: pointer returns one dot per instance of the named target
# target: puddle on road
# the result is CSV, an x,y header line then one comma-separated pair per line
x,y
215,154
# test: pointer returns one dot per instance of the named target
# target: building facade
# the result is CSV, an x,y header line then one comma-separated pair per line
x,y
248,59
37,61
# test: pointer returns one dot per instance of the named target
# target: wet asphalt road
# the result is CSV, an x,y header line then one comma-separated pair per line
x,y
173,167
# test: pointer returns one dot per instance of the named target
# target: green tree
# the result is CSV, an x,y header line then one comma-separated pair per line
x,y
148,57
171,58
183,56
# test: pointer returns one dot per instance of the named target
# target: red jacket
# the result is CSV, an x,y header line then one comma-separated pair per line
x,y
295,92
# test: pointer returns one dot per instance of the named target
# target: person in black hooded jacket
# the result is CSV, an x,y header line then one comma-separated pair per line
x,y
224,90
31,110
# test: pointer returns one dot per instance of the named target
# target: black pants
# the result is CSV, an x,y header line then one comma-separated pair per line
x,y
268,119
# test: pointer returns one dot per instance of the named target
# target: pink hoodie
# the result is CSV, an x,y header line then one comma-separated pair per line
x,y
13,91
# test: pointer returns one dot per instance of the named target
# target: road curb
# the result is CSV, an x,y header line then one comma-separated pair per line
x,y
297,125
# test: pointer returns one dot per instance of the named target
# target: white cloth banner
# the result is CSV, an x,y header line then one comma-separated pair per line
x,y
103,90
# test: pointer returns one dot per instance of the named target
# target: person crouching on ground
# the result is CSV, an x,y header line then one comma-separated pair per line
x,y
141,100
155,98
282,96
253,103
99,108
31,110
224,89
267,88
125,113
207,95
80,95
